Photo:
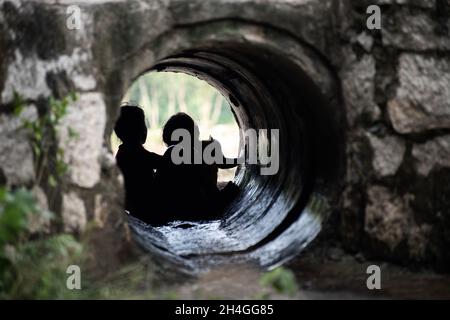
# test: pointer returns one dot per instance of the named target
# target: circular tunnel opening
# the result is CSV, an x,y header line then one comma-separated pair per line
x,y
162,94
275,214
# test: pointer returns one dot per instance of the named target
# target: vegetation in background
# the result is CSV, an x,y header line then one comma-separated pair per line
x,y
48,156
281,279
162,94
30,269
43,132
34,266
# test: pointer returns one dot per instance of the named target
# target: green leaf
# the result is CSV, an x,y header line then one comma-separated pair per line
x,y
281,279
61,168
15,207
52,181
36,150
73,96
19,104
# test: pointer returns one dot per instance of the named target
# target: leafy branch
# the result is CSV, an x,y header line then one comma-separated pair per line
x,y
48,159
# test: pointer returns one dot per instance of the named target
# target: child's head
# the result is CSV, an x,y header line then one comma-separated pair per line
x,y
130,127
180,120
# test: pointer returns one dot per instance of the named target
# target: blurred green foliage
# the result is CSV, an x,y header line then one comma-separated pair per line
x,y
43,131
15,208
161,94
30,269
34,266
281,279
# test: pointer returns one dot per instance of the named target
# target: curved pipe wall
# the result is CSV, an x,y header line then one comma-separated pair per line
x,y
276,216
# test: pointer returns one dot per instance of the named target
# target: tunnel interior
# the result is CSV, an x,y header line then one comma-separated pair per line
x,y
274,216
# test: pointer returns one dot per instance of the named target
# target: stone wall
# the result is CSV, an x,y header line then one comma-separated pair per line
x,y
394,85
396,202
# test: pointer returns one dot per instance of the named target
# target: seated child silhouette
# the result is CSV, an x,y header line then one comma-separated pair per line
x,y
183,193
218,199
194,186
137,166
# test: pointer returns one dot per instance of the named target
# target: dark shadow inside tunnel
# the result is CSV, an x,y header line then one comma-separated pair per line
x,y
273,217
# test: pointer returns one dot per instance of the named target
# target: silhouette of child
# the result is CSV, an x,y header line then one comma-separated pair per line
x,y
137,165
194,184
183,192
218,198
